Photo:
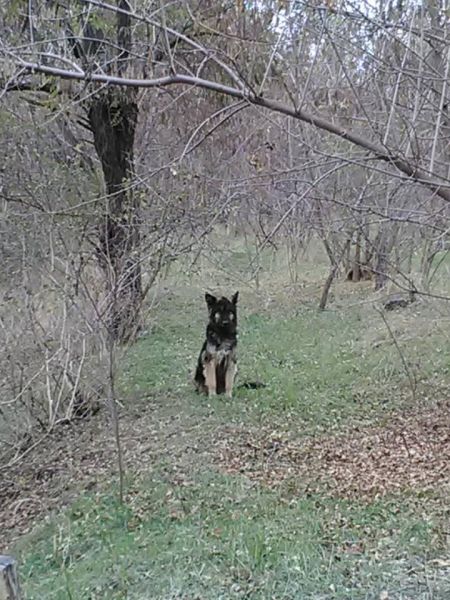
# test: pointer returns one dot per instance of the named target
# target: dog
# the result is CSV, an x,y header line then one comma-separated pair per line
x,y
217,364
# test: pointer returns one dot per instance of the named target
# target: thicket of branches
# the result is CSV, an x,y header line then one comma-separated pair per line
x,y
130,130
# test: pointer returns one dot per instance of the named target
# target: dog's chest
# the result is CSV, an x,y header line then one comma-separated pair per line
x,y
222,350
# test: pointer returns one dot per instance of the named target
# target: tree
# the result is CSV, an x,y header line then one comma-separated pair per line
x,y
283,122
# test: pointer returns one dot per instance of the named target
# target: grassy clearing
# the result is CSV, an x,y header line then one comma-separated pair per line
x,y
203,534
324,370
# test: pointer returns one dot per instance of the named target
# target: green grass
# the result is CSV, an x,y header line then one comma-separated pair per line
x,y
318,367
222,536
225,541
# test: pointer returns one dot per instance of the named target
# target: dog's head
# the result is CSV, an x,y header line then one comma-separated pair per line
x,y
222,312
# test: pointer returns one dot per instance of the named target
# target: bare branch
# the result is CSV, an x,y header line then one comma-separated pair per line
x,y
417,174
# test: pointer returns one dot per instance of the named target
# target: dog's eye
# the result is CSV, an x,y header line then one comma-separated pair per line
x,y
217,317
231,316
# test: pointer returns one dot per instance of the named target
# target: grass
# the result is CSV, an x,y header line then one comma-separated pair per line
x,y
216,536
318,367
226,541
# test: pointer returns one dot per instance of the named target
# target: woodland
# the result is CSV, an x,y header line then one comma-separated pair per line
x,y
296,151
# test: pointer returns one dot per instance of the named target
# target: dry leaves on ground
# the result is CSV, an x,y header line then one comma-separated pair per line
x,y
411,451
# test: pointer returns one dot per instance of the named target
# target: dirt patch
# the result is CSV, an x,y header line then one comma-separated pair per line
x,y
410,452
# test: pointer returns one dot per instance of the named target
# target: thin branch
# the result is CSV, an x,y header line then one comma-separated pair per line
x,y
412,379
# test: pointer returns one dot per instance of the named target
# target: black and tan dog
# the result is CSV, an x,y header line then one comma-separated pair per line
x,y
216,367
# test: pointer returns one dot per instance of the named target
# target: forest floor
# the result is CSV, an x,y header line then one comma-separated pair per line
x,y
332,482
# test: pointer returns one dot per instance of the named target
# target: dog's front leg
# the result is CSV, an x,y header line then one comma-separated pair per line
x,y
229,378
210,376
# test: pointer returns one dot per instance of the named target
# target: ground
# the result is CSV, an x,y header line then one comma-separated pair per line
x,y
330,483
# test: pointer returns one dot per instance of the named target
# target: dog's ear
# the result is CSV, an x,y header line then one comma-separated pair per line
x,y
234,298
210,300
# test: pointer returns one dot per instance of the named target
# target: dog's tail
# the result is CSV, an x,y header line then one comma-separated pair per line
x,y
251,385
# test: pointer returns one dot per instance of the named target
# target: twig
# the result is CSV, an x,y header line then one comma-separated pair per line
x,y
411,377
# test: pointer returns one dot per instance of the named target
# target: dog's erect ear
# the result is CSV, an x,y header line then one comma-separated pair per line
x,y
210,300
234,298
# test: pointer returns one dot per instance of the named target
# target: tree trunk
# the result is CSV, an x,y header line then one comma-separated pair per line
x,y
367,243
348,243
409,259
381,267
331,276
327,286
382,251
113,117
371,247
356,271
329,251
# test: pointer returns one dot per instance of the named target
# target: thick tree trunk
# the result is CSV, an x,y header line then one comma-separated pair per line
x,y
113,118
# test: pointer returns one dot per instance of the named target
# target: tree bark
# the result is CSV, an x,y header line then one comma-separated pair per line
x,y
381,269
356,271
332,275
383,251
348,243
113,117
327,286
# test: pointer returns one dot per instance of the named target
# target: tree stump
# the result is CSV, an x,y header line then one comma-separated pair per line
x,y
9,582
